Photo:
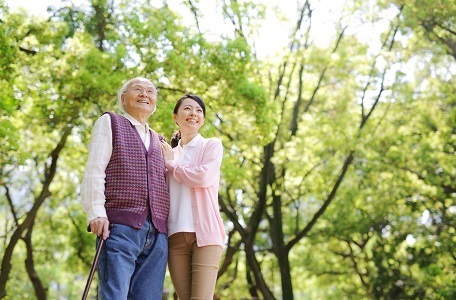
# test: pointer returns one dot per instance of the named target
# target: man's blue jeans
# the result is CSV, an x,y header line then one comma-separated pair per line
x,y
133,263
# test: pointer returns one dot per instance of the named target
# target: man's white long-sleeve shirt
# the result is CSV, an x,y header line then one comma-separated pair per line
x,y
100,151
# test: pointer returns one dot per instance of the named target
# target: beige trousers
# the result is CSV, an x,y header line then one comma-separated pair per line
x,y
193,269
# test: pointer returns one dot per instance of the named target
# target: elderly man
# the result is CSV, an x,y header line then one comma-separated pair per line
x,y
124,185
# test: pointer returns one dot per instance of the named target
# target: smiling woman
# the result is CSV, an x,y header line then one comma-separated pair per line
x,y
189,116
195,227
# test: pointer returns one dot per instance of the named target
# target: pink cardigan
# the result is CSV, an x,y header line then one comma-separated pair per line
x,y
202,175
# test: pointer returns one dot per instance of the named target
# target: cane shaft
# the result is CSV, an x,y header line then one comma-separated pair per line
x,y
93,268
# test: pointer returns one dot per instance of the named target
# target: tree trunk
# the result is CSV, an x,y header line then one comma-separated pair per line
x,y
29,220
40,290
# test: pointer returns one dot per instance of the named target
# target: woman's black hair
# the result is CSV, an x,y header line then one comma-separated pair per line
x,y
177,135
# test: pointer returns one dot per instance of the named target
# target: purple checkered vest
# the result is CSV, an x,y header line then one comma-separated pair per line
x,y
135,178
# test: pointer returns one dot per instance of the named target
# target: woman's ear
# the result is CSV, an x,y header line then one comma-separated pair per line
x,y
175,119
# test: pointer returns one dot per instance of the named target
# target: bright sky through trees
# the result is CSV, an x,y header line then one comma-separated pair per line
x,y
272,36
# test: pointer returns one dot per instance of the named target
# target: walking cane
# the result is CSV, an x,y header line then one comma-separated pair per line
x,y
94,266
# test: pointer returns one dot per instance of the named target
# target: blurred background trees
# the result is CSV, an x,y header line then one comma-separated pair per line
x,y
339,171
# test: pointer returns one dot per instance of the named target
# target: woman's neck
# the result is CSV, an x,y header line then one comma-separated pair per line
x,y
187,137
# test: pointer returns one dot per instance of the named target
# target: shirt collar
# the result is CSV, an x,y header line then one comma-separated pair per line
x,y
193,142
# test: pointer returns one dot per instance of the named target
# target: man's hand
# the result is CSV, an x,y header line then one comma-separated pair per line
x,y
100,226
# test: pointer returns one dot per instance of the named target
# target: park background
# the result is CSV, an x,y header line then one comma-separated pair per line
x,y
338,120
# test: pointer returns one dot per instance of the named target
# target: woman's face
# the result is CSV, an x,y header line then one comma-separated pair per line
x,y
140,98
190,116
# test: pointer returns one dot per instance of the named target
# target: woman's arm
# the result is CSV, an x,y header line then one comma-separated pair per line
x,y
206,172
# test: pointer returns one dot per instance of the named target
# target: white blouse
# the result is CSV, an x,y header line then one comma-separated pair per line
x,y
180,217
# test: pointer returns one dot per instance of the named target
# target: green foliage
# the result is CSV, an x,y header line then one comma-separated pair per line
x,y
8,102
430,22
387,234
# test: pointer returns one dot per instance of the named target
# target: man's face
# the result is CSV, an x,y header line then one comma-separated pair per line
x,y
140,97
